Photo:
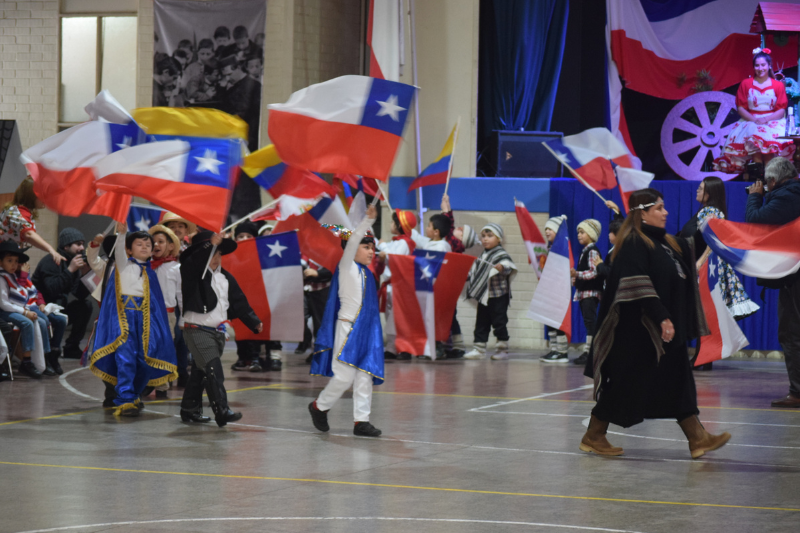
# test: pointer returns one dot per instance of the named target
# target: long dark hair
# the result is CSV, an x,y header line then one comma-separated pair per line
x,y
633,223
715,189
769,62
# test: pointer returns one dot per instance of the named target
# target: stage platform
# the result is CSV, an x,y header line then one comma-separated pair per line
x,y
468,446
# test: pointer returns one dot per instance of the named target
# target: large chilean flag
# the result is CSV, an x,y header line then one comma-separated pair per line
x,y
552,301
268,269
449,285
414,308
350,124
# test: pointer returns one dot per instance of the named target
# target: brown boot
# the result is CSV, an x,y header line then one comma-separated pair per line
x,y
700,440
595,439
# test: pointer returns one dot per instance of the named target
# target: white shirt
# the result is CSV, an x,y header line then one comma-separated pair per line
x,y
131,274
98,266
169,278
218,315
398,247
426,243
351,280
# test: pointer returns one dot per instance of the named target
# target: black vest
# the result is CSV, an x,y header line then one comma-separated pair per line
x,y
595,284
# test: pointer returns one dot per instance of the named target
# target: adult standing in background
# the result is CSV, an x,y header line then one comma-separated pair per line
x,y
781,205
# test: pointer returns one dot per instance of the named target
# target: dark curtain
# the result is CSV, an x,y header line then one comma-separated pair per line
x,y
521,48
568,197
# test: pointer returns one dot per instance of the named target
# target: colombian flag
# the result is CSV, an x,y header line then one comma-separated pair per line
x,y
278,178
437,172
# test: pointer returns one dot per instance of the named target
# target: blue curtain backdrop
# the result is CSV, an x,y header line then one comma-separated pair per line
x,y
568,197
521,48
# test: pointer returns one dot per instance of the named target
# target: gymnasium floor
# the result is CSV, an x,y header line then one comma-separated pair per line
x,y
468,446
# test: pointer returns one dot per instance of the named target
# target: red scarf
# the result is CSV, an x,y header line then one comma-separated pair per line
x,y
411,244
157,262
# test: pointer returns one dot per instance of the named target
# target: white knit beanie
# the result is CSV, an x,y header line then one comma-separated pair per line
x,y
554,223
592,228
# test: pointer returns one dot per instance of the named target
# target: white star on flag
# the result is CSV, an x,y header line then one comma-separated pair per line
x,y
208,162
126,142
426,272
276,249
563,158
390,108
143,224
429,257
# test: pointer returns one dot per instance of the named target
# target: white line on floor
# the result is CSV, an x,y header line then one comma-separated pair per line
x,y
537,397
329,518
63,380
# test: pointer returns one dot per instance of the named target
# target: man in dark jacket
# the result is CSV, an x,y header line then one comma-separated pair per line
x,y
58,282
781,205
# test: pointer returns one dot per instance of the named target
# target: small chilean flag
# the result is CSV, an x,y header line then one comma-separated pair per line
x,y
448,287
350,124
552,301
192,177
268,269
278,178
437,172
757,250
413,300
631,180
316,242
534,242
726,337
590,154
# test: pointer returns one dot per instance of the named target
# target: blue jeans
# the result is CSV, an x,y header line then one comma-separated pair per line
x,y
59,325
26,330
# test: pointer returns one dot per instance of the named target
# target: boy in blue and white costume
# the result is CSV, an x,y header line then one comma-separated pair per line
x,y
349,346
132,347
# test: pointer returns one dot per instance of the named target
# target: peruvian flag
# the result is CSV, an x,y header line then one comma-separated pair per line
x,y
350,124
414,303
534,242
631,180
269,270
192,177
448,287
316,242
726,337
552,301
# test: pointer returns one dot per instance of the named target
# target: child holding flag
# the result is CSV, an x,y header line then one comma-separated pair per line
x,y
350,344
587,281
489,284
557,339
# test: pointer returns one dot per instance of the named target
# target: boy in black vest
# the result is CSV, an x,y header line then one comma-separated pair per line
x,y
211,297
586,280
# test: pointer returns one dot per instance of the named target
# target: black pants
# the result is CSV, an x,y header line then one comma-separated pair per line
x,y
589,312
789,333
314,307
492,315
79,313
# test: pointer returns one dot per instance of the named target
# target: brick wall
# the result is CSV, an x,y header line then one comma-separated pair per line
x,y
29,77
525,333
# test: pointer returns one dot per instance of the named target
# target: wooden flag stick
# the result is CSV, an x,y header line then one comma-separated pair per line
x,y
273,202
577,176
452,156
385,196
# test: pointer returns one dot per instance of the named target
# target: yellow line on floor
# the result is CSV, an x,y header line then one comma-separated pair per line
x,y
411,487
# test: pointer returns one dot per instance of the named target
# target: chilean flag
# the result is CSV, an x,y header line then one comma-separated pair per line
x,y
631,180
449,284
316,242
268,269
591,154
552,301
350,124
192,177
384,38
534,242
725,337
414,303
143,218
757,250
278,178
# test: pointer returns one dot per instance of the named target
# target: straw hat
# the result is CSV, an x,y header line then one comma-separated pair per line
x,y
172,217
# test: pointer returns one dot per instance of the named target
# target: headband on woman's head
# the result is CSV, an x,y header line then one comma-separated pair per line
x,y
641,206
759,50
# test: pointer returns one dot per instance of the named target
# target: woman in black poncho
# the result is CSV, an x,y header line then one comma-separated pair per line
x,y
649,310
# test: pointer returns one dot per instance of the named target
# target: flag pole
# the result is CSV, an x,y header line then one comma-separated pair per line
x,y
452,156
413,26
270,204
577,176
385,196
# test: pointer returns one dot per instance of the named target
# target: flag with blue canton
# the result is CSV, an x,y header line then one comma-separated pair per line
x,y
143,218
425,272
278,250
387,106
210,161
125,135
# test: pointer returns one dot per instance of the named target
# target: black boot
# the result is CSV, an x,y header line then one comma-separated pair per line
x,y
192,401
365,429
217,396
26,368
52,359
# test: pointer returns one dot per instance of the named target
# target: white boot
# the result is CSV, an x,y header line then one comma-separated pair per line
x,y
501,352
458,341
478,351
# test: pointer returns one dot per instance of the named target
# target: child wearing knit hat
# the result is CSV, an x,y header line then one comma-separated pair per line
x,y
588,283
557,339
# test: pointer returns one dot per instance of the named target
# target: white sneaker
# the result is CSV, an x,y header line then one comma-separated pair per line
x,y
478,352
500,356
502,351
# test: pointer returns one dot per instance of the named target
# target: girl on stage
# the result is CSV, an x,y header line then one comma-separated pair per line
x,y
761,102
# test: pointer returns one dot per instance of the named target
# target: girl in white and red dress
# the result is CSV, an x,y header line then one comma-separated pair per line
x,y
761,102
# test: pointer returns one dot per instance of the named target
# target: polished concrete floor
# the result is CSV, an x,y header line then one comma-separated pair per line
x,y
468,446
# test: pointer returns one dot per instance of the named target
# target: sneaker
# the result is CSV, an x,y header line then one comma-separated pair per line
x,y
161,394
275,365
555,357
240,365
404,356
255,366
500,356
501,352
389,355
365,429
318,418
581,360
